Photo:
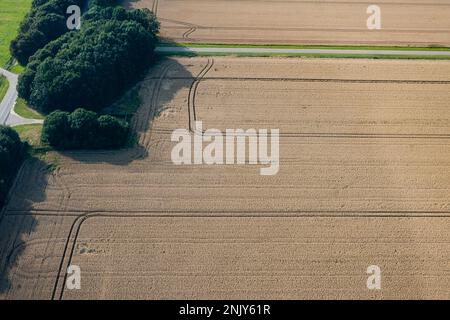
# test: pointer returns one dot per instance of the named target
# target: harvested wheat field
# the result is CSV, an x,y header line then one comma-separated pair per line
x,y
403,22
364,180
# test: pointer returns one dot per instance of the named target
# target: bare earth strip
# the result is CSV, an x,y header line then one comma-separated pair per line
x,y
364,179
404,22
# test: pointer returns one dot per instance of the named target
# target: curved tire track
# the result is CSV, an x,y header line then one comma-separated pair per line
x,y
193,92
188,33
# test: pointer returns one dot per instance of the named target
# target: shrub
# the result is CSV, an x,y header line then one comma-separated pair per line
x,y
12,152
56,129
83,129
113,133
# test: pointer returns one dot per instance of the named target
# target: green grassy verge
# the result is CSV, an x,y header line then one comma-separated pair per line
x,y
16,68
30,133
22,109
287,46
4,84
306,55
11,14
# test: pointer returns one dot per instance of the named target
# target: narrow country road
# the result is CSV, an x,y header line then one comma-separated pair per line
x,y
7,104
251,50
7,115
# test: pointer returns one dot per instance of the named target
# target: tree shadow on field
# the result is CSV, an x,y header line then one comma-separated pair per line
x,y
159,86
16,219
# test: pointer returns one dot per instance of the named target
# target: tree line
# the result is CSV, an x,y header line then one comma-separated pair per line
x,y
12,153
83,129
46,21
92,67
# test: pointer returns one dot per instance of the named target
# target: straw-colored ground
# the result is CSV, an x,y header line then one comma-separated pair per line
x,y
364,180
404,22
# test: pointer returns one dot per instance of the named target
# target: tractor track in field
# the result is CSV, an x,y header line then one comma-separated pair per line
x,y
193,92
300,29
238,213
209,78
150,112
188,33
155,7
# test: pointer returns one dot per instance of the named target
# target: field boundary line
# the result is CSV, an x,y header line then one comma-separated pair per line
x,y
337,80
260,42
350,2
280,51
406,30
235,213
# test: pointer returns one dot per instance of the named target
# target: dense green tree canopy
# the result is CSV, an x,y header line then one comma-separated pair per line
x,y
83,129
91,67
45,22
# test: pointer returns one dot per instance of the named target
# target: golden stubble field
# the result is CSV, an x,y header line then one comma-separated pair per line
x,y
403,22
364,180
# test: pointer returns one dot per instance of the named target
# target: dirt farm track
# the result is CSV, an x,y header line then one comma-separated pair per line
x,y
403,22
364,180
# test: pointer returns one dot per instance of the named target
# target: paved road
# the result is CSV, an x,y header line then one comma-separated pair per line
x,y
7,104
301,51
7,114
